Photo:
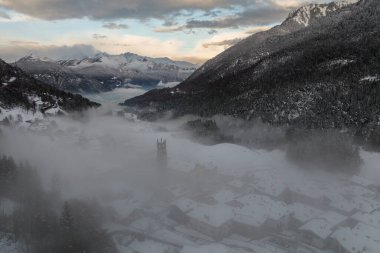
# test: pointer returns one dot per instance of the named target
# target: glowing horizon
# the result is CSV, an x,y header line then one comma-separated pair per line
x,y
191,30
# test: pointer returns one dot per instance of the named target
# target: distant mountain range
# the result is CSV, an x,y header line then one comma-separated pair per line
x,y
319,69
18,89
105,72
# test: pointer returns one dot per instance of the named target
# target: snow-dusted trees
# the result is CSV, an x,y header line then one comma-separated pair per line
x,y
40,222
326,149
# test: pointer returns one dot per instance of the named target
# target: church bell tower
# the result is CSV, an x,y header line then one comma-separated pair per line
x,y
162,156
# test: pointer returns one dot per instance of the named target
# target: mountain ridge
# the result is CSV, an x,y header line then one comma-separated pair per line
x,y
104,72
17,89
320,76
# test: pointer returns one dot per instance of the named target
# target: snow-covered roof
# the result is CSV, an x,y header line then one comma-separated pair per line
x,y
361,239
214,215
185,204
361,181
125,207
211,248
173,237
269,182
224,196
304,212
146,246
145,224
372,218
256,209
236,183
323,226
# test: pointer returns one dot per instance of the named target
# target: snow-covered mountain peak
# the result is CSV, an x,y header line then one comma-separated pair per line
x,y
305,14
129,60
35,58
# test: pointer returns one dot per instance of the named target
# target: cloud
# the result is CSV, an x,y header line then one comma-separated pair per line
x,y
99,36
257,29
17,49
254,13
169,29
112,9
114,26
224,43
4,15
146,9
257,16
155,47
213,46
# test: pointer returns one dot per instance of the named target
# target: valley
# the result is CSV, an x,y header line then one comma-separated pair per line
x,y
271,146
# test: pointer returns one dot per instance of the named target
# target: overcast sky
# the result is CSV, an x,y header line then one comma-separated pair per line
x,y
193,30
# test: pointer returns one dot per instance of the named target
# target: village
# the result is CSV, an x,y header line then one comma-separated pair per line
x,y
262,211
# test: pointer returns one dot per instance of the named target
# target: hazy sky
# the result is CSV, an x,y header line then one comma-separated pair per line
x,y
181,29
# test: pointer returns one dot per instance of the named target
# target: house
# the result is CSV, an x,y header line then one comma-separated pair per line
x,y
211,220
237,185
253,216
312,196
258,215
317,231
211,248
224,196
360,239
364,182
349,199
267,182
301,214
371,218
127,210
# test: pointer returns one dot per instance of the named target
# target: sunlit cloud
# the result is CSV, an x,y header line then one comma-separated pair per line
x,y
114,26
189,29
13,50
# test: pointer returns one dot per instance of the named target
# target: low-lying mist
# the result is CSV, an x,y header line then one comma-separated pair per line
x,y
107,155
102,151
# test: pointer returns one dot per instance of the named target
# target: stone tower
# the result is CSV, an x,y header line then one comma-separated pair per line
x,y
162,156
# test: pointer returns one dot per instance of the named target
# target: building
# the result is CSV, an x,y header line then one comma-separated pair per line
x,y
371,218
364,182
301,214
253,216
211,220
162,156
360,239
257,215
316,232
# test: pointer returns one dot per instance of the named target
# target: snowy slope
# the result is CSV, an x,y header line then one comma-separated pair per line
x,y
21,94
298,73
306,14
131,68
258,46
51,72
104,72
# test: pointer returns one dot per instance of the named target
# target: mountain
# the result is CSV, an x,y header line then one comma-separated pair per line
x,y
105,72
116,70
18,89
308,14
61,77
319,73
260,45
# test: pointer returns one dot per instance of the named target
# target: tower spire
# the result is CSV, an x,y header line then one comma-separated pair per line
x,y
162,156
